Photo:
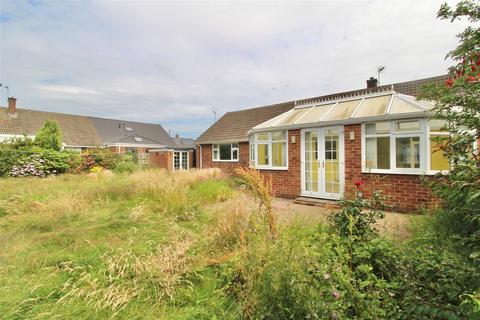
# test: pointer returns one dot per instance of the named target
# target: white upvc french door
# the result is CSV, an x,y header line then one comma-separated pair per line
x,y
180,160
323,162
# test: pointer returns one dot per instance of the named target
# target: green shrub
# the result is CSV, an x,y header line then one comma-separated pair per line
x,y
104,158
305,274
49,136
40,163
126,166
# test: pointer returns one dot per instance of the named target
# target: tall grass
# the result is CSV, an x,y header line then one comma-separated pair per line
x,y
104,244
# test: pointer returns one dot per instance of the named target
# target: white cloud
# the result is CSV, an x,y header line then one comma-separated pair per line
x,y
63,89
174,63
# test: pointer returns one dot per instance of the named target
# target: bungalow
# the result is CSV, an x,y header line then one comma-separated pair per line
x,y
319,147
151,144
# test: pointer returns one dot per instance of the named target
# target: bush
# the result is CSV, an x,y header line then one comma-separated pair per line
x,y
104,158
49,136
40,163
126,166
306,275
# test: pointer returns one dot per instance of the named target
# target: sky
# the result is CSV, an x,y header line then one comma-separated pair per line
x,y
175,63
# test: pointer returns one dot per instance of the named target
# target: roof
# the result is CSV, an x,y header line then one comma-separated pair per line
x,y
83,131
77,130
234,126
115,132
184,143
373,106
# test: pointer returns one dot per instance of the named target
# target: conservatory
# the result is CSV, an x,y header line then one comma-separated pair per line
x,y
385,133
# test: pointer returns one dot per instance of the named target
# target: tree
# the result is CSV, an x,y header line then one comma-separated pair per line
x,y
458,104
49,136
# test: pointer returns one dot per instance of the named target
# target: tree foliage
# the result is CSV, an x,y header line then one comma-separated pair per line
x,y
49,136
458,103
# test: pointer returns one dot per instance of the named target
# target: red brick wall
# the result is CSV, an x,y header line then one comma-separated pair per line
x,y
403,192
225,166
287,183
163,159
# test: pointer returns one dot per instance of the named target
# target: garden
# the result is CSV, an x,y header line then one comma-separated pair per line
x,y
84,243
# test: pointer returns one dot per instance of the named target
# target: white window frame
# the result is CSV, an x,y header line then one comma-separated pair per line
x,y
216,146
180,159
443,133
255,142
422,133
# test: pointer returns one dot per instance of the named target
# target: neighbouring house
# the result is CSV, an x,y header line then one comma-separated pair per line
x,y
149,143
320,147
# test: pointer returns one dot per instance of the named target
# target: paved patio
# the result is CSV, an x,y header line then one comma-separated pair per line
x,y
395,225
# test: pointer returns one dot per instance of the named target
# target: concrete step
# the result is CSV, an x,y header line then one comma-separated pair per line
x,y
307,201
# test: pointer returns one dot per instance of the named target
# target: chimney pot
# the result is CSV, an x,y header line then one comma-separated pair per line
x,y
12,107
372,83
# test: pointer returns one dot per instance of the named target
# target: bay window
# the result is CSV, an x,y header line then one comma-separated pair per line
x,y
403,146
225,152
268,150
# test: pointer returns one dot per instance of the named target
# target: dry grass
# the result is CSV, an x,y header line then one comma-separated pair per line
x,y
126,276
261,188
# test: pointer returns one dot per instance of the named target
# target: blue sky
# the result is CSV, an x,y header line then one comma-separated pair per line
x,y
175,62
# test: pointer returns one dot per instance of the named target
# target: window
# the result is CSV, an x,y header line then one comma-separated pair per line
x,y
438,160
180,160
269,150
377,145
395,146
408,152
225,152
138,139
406,146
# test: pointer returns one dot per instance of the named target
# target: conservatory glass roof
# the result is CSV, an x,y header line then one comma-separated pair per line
x,y
358,108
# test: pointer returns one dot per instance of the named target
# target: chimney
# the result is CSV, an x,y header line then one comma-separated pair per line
x,y
12,107
372,83
177,136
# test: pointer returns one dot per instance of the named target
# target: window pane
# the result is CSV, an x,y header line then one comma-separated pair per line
x,y
225,151
278,135
262,154
377,153
262,136
407,126
176,160
278,154
252,154
234,145
438,160
437,125
235,154
343,110
408,152
373,106
316,114
184,160
377,128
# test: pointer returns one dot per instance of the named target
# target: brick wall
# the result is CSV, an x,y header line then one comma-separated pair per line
x,y
163,159
191,159
225,166
403,192
287,183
